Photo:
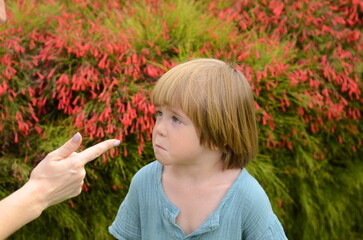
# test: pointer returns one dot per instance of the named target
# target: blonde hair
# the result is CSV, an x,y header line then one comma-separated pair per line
x,y
219,101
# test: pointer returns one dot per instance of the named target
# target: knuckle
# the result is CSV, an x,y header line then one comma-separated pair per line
x,y
79,190
51,155
83,173
78,164
73,154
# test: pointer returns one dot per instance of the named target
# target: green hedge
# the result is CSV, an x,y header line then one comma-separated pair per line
x,y
88,66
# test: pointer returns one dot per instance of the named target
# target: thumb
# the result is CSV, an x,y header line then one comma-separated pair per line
x,y
69,147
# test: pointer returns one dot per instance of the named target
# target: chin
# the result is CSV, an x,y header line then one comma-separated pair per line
x,y
162,162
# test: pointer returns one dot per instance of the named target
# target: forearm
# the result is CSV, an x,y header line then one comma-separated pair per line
x,y
2,12
19,208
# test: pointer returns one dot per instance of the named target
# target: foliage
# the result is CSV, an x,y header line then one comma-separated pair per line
x,y
88,66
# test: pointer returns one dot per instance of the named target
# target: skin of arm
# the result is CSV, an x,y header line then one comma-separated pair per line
x,y
2,12
59,176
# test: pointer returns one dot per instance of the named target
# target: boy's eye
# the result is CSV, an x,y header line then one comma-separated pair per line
x,y
176,120
158,113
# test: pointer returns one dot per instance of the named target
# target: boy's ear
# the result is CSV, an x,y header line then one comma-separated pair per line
x,y
2,12
214,147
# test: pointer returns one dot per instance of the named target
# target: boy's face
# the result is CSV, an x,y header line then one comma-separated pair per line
x,y
175,138
2,12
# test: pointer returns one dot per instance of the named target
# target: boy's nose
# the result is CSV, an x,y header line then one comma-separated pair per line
x,y
159,128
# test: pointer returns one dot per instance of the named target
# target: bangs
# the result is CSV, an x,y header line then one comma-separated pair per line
x,y
178,89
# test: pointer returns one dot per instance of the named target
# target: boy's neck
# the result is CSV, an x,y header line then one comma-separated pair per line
x,y
195,173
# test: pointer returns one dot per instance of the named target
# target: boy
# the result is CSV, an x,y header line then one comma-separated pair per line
x,y
204,136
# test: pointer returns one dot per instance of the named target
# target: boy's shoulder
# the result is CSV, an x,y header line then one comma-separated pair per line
x,y
150,168
254,204
250,191
147,173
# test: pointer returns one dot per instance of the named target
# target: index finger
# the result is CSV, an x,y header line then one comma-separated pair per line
x,y
95,151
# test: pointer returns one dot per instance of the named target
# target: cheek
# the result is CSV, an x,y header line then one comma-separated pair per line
x,y
190,140
194,137
153,134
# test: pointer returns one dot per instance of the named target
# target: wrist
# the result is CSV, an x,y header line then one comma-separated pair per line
x,y
35,197
20,208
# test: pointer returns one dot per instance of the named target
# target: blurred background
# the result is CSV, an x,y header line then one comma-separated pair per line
x,y
89,66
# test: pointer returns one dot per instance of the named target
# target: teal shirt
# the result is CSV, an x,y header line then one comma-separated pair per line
x,y
146,213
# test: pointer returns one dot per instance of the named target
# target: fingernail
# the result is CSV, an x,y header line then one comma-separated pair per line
x,y
76,137
116,143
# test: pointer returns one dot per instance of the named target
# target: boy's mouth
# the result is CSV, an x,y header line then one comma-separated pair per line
x,y
159,147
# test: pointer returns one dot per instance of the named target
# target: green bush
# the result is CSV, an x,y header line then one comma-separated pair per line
x,y
88,66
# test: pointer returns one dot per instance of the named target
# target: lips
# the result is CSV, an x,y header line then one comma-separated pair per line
x,y
158,147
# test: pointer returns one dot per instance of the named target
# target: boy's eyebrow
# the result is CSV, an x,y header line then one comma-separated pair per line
x,y
175,112
179,114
